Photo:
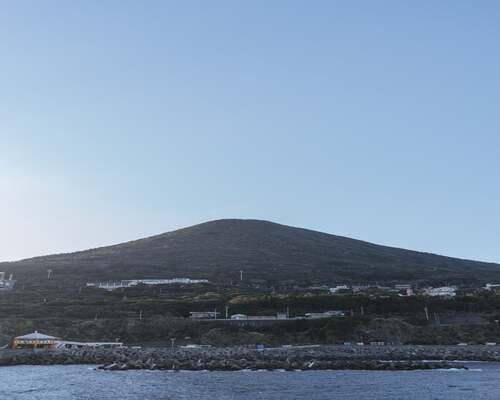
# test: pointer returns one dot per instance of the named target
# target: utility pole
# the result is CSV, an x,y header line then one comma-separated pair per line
x,y
49,272
140,315
241,276
426,310
227,312
215,313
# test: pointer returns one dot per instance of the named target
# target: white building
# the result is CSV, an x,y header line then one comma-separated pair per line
x,y
335,289
239,316
6,284
443,291
204,314
326,314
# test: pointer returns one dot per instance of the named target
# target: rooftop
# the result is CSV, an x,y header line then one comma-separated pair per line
x,y
36,336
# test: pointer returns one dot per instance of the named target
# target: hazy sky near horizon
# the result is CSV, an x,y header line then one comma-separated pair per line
x,y
374,120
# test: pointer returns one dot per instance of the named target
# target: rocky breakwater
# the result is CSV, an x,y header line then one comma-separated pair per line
x,y
56,357
238,358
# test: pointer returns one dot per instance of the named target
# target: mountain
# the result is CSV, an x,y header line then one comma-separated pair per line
x,y
265,251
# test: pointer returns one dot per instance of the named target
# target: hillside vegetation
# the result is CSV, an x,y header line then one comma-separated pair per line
x,y
268,253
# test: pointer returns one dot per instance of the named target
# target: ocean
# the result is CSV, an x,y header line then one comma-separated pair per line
x,y
481,381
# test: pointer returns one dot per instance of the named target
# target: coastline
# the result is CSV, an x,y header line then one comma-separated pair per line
x,y
331,357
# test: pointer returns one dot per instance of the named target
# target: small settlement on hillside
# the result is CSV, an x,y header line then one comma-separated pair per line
x,y
280,316
399,289
113,285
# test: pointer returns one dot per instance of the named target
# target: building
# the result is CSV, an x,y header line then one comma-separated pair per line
x,y
443,291
6,284
278,316
64,344
282,315
204,314
493,287
261,317
34,340
338,288
402,287
196,346
239,316
326,314
361,288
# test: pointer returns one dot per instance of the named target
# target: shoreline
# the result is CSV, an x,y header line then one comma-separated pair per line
x,y
324,357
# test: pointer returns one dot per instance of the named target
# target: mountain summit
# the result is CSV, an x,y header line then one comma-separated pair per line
x,y
265,251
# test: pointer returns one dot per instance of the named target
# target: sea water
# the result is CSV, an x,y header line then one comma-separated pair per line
x,y
481,381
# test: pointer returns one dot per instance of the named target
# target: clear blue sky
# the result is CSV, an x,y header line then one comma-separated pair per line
x,y
378,120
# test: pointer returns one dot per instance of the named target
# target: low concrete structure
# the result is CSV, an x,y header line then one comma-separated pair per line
x,y
64,344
